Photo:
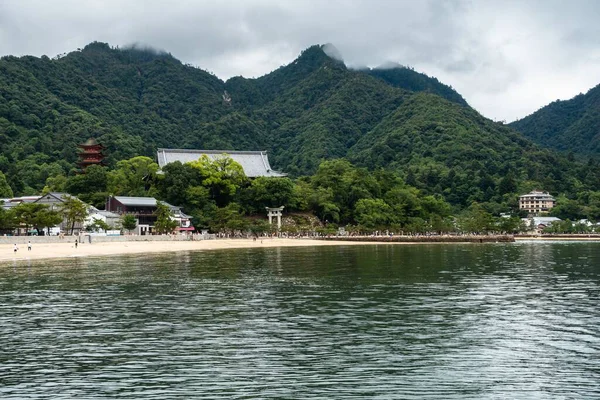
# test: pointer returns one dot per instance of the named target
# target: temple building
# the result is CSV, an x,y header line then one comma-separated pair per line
x,y
144,211
254,163
91,153
536,201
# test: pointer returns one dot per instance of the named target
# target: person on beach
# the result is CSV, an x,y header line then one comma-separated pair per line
x,y
16,248
75,243
29,245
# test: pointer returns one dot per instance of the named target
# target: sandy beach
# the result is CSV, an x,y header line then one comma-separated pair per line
x,y
66,250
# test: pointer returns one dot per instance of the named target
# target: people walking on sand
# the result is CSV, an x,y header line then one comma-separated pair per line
x,y
16,248
76,243
29,245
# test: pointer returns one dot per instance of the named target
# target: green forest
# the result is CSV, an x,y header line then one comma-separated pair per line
x,y
352,142
571,126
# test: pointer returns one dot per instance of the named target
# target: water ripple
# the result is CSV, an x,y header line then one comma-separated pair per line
x,y
381,322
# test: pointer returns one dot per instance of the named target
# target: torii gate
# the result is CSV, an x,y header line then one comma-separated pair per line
x,y
275,212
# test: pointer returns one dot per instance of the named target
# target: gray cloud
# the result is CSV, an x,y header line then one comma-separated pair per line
x,y
506,58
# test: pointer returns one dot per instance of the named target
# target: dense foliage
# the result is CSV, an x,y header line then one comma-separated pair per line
x,y
571,125
409,79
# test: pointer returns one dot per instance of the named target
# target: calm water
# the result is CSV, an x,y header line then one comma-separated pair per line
x,y
377,322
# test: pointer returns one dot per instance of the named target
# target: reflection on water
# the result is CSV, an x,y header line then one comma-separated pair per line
x,y
384,321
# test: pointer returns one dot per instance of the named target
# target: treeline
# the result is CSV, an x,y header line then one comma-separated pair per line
x,y
39,217
219,197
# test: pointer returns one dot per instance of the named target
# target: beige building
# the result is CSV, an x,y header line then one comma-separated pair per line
x,y
536,201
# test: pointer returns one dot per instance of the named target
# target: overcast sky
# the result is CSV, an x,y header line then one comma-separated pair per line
x,y
507,58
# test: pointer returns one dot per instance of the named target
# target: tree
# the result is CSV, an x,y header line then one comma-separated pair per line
x,y
373,213
507,184
228,218
97,225
36,215
269,192
47,218
347,185
74,211
7,219
94,180
5,189
566,209
259,227
175,181
128,222
133,177
322,203
476,220
25,213
164,221
56,183
511,225
222,176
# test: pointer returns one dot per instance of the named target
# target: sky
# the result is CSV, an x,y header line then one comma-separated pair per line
x,y
506,58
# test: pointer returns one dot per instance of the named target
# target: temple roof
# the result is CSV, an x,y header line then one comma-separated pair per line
x,y
90,142
254,163
142,202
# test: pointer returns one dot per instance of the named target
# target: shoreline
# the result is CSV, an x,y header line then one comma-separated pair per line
x,y
46,251
580,238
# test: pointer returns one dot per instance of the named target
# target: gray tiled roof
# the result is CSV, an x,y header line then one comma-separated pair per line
x,y
15,201
254,163
141,201
136,201
108,214
544,220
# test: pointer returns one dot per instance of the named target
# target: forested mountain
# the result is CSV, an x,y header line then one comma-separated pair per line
x,y
571,125
407,78
135,100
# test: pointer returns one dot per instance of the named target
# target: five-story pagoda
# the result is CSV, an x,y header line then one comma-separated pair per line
x,y
91,153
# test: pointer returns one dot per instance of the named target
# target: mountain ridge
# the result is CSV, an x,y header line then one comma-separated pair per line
x,y
566,125
312,109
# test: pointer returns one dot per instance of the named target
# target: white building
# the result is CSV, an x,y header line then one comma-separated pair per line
x,y
538,224
113,220
536,201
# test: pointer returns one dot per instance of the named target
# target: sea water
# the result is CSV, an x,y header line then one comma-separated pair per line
x,y
395,321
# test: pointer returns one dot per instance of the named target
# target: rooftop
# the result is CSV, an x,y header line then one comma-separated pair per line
x,y
90,142
544,220
141,201
136,201
537,194
254,163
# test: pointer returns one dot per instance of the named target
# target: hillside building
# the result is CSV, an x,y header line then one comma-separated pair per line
x,y
254,163
536,202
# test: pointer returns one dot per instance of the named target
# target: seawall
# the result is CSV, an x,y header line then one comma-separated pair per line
x,y
424,239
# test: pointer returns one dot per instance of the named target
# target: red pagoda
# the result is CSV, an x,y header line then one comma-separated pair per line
x,y
90,154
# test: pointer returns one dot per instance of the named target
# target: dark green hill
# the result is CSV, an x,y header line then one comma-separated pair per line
x,y
409,79
450,149
571,125
134,100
